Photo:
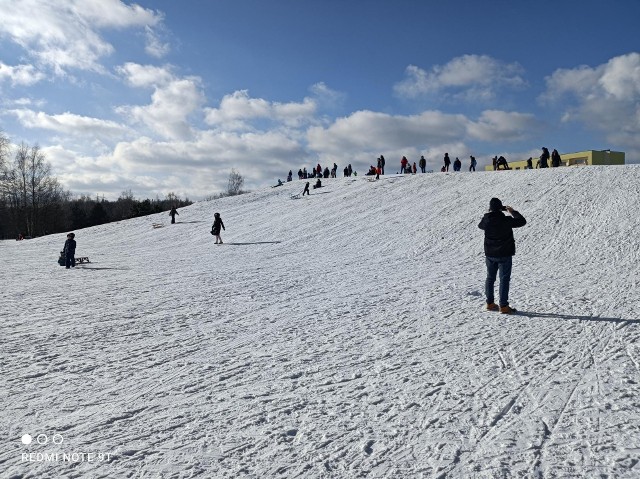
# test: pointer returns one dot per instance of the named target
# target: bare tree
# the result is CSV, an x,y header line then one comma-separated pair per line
x,y
235,183
4,151
31,192
124,206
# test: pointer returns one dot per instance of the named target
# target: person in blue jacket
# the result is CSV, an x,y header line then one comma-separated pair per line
x,y
499,248
69,251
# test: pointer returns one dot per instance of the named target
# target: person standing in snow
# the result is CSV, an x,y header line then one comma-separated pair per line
x,y
403,165
422,163
457,164
544,158
215,229
472,165
499,248
69,251
306,189
555,159
173,214
447,162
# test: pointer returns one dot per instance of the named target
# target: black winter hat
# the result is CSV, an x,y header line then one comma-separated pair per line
x,y
495,204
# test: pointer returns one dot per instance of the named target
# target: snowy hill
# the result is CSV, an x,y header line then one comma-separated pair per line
x,y
337,335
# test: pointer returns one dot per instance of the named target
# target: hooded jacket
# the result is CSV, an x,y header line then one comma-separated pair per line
x,y
498,232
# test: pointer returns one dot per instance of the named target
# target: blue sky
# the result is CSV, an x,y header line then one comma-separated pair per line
x,y
166,96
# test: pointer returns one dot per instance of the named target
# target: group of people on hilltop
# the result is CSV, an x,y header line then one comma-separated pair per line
x,y
457,164
499,163
319,172
543,161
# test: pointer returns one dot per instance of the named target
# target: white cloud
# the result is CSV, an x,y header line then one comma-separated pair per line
x,y
194,168
171,105
142,76
70,124
606,98
473,77
154,46
373,131
21,74
65,35
326,96
497,126
238,109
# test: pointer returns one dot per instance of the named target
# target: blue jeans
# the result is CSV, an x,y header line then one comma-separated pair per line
x,y
494,265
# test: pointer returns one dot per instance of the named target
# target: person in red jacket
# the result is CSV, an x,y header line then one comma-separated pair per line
x,y
403,164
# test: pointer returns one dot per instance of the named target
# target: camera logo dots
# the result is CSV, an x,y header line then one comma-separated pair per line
x,y
42,439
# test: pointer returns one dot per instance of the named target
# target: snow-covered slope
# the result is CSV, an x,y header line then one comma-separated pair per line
x,y
336,335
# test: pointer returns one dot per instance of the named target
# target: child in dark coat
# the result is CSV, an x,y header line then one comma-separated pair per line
x,y
69,251
215,229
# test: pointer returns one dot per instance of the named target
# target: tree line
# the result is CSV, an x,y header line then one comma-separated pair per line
x,y
34,203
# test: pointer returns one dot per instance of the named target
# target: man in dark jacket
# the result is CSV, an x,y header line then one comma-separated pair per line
x,y
499,248
173,214
70,251
544,158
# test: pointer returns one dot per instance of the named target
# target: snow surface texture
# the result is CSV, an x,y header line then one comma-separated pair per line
x,y
336,335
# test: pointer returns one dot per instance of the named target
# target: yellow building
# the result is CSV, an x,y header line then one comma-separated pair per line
x,y
580,158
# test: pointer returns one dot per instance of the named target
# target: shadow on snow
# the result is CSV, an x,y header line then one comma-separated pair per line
x,y
580,318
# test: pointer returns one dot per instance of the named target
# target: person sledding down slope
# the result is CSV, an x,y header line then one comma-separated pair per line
x,y
499,248
215,229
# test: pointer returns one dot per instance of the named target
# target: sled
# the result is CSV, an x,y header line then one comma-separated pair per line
x,y
82,260
157,225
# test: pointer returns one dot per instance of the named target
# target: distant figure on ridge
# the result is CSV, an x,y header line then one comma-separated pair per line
x,y
457,165
215,229
529,164
382,162
544,158
423,164
290,176
502,162
173,214
403,165
499,248
555,159
447,162
473,163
